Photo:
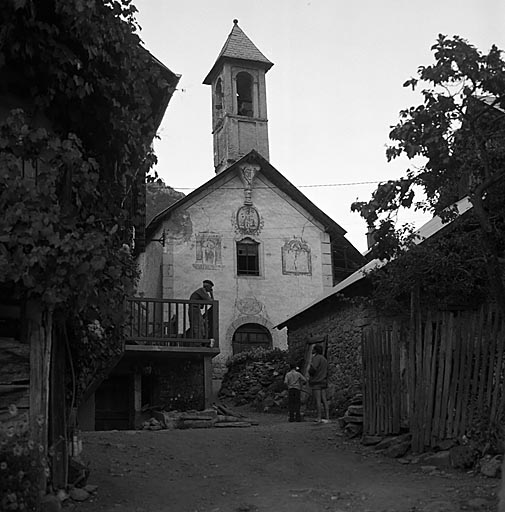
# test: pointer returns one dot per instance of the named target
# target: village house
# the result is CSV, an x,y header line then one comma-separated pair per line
x,y
35,357
409,366
266,247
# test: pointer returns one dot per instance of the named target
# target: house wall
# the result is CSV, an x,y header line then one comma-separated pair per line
x,y
266,299
342,322
150,265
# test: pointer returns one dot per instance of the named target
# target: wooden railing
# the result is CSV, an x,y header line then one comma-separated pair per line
x,y
173,322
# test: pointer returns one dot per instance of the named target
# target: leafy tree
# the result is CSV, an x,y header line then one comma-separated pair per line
x,y
83,101
455,142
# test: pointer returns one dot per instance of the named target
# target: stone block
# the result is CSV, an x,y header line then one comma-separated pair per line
x,y
440,459
462,457
370,440
355,410
79,494
50,503
490,466
397,450
353,419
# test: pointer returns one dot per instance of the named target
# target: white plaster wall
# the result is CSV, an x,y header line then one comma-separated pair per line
x,y
150,265
279,294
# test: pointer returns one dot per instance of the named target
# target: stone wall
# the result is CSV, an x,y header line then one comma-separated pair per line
x,y
179,385
342,321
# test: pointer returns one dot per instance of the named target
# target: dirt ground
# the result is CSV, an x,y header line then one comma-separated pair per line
x,y
275,466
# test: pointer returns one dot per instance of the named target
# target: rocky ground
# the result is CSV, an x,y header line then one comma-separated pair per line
x,y
274,466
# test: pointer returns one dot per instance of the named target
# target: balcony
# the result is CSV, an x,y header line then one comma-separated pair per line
x,y
173,326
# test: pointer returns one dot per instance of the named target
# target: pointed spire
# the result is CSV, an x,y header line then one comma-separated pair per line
x,y
238,46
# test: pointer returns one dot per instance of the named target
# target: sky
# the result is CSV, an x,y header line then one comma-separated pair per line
x,y
333,93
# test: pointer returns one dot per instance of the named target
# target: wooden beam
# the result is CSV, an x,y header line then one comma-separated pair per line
x,y
207,381
39,332
137,398
58,414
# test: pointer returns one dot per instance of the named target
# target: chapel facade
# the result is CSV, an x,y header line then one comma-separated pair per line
x,y
266,247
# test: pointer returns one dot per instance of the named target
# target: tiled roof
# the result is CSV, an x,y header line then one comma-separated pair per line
x,y
239,46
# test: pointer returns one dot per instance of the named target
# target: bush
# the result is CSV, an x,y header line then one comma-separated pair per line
x,y
21,465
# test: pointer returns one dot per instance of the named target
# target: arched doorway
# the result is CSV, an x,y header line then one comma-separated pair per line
x,y
251,336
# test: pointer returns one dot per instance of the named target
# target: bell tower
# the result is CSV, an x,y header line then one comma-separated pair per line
x,y
239,104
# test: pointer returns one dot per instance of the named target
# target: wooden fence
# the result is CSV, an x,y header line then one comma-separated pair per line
x,y
438,376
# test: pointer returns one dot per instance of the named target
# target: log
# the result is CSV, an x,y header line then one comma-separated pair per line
x,y
15,394
222,418
14,361
239,424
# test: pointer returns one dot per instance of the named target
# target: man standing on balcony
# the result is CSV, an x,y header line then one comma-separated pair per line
x,y
196,320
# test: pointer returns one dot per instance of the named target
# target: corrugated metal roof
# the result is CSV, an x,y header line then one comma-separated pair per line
x,y
426,231
238,46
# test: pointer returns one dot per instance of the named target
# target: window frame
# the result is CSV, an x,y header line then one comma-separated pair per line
x,y
247,270
248,343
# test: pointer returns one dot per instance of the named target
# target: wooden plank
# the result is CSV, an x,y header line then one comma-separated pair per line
x,y
374,379
40,323
492,362
484,347
461,374
476,365
430,351
439,380
447,376
395,371
417,435
207,381
410,366
499,384
14,361
366,382
14,394
454,378
383,387
470,369
58,412
388,382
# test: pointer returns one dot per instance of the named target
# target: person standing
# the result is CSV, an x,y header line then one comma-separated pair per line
x,y
196,321
318,382
294,380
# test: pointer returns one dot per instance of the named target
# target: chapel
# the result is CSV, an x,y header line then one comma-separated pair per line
x,y
267,248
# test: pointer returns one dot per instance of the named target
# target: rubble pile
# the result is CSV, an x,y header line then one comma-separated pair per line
x,y
352,421
259,383
217,416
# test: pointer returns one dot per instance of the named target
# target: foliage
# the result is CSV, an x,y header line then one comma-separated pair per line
x,y
454,140
159,197
447,271
85,100
258,355
20,466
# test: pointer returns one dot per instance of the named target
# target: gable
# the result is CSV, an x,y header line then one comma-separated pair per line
x,y
287,190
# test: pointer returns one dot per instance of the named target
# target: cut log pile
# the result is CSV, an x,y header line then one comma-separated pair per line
x,y
218,416
256,383
352,421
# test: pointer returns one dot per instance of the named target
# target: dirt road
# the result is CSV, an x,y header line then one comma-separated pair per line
x,y
273,467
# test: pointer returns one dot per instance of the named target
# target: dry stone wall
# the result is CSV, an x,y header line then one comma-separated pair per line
x,y
257,378
342,321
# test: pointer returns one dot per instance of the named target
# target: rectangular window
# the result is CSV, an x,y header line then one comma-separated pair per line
x,y
247,258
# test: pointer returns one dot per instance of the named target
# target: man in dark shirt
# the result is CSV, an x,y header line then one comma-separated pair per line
x,y
318,382
196,321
